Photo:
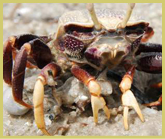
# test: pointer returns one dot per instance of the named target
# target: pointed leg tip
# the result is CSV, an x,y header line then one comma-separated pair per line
x,y
142,119
126,124
95,120
45,132
126,128
108,117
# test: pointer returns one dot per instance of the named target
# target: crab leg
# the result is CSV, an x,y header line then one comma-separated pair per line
x,y
159,101
97,101
9,53
18,76
156,103
149,58
150,62
128,98
35,49
148,47
47,76
7,62
148,34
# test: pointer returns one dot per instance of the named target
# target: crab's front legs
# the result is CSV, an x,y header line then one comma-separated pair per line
x,y
47,76
97,101
29,46
14,44
128,98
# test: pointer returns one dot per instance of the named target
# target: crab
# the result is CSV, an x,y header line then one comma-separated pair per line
x,y
97,38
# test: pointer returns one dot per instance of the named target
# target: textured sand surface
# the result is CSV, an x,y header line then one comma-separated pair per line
x,y
42,19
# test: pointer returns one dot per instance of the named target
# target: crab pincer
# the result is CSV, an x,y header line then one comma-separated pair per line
x,y
97,101
128,98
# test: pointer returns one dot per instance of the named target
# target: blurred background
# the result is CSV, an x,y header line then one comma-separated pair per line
x,y
42,19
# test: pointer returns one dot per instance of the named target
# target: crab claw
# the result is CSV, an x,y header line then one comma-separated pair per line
x,y
97,101
94,88
129,100
97,104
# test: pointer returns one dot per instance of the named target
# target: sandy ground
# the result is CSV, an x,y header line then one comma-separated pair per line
x,y
42,19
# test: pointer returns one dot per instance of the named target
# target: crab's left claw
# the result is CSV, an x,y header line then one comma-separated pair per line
x,y
129,100
46,77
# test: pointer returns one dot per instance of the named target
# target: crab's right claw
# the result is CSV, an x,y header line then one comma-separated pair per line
x,y
129,100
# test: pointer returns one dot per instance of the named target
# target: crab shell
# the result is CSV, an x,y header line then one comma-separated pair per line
x,y
81,21
108,19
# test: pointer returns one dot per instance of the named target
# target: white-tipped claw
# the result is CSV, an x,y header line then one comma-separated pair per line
x,y
125,115
97,104
129,100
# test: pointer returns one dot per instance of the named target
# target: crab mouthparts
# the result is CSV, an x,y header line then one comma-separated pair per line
x,y
106,54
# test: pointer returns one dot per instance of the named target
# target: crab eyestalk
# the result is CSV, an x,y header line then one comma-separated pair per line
x,y
90,7
127,16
